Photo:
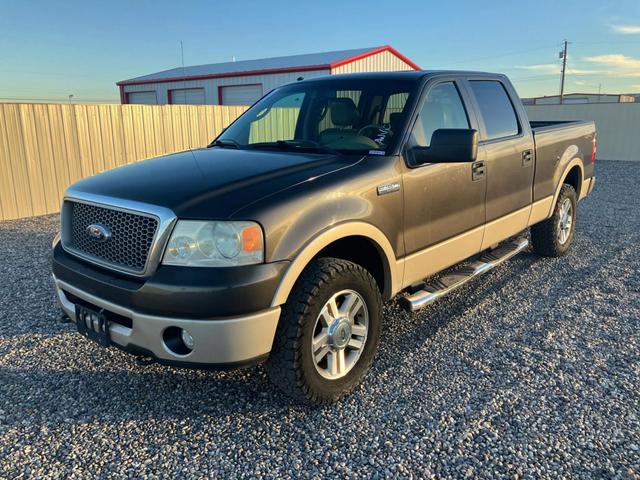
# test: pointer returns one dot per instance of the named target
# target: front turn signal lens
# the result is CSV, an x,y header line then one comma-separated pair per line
x,y
252,239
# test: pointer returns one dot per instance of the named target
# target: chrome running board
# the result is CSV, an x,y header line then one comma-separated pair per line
x,y
446,284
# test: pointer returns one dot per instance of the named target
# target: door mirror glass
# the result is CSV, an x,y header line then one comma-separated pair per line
x,y
448,145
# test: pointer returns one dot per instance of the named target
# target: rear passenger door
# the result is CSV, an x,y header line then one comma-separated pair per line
x,y
507,147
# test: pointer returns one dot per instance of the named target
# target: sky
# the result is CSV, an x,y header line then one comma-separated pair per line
x,y
52,49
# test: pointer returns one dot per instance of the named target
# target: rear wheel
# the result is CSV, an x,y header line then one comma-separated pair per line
x,y
328,332
553,236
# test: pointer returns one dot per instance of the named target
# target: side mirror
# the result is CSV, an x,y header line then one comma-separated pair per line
x,y
448,145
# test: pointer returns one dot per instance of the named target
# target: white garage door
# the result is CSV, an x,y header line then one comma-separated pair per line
x,y
147,98
240,94
187,96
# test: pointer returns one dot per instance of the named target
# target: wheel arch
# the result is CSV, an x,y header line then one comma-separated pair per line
x,y
574,178
339,241
573,174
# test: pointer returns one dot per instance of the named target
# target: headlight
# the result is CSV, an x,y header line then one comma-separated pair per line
x,y
214,244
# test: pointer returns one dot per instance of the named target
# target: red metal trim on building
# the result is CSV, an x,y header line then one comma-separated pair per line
x,y
220,87
386,48
248,73
169,96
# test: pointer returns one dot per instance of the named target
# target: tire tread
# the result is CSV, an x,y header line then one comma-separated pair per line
x,y
284,366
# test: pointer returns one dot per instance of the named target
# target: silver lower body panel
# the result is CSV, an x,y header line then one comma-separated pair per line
x,y
216,342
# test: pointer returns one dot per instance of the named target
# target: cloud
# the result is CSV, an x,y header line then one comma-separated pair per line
x,y
617,64
626,29
553,68
543,67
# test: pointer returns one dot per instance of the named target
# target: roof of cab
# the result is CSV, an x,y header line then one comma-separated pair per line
x,y
402,75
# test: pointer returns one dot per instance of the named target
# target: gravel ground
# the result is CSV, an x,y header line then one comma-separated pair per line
x,y
530,371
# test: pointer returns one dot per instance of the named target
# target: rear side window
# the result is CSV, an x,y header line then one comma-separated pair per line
x,y
497,111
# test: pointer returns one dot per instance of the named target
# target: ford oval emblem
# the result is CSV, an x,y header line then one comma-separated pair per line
x,y
98,232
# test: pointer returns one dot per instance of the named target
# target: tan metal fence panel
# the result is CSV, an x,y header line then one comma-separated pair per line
x,y
616,124
46,147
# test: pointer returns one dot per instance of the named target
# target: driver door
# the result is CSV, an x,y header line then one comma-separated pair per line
x,y
444,203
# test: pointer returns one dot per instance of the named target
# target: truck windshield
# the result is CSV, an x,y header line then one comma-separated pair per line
x,y
344,115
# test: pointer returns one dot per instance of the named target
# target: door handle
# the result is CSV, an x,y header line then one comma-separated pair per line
x,y
527,157
477,170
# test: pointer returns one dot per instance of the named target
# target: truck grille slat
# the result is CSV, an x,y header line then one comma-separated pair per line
x,y
132,235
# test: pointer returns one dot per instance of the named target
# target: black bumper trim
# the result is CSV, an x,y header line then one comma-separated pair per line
x,y
188,292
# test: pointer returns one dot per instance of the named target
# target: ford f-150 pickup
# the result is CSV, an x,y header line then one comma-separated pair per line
x,y
280,241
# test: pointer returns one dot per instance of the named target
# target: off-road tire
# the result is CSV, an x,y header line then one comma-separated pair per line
x,y
545,235
290,365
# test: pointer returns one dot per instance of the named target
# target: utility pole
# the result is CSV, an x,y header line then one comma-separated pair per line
x,y
563,56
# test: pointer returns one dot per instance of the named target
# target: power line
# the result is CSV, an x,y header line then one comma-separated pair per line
x,y
478,59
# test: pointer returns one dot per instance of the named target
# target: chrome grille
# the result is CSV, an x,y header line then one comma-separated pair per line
x,y
131,239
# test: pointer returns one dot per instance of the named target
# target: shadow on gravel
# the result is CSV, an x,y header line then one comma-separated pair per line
x,y
136,394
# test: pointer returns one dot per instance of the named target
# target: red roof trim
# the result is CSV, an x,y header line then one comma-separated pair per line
x,y
375,51
307,68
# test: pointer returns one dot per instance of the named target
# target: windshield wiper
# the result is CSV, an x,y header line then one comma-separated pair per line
x,y
224,143
297,145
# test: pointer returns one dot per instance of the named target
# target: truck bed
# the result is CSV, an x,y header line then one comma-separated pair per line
x,y
557,142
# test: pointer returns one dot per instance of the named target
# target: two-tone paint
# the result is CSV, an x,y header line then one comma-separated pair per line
x,y
402,223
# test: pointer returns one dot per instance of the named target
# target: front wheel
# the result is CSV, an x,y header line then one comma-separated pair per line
x,y
328,332
553,236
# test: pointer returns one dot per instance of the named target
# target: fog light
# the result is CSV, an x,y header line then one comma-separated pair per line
x,y
178,340
187,339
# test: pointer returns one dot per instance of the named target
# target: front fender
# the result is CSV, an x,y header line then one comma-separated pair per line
x,y
300,221
394,269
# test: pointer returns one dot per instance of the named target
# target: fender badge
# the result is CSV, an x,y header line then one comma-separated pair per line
x,y
388,188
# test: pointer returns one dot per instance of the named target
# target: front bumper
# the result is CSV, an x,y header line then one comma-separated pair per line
x,y
184,292
221,342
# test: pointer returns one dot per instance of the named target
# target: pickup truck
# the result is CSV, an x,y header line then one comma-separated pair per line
x,y
280,241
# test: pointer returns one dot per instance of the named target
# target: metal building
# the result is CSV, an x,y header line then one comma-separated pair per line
x,y
573,98
244,82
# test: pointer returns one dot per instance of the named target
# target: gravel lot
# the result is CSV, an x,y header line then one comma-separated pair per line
x,y
531,371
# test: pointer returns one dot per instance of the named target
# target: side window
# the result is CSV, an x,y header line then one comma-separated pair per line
x,y
442,108
278,122
497,111
395,104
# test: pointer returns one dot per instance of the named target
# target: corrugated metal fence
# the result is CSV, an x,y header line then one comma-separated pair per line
x,y
617,125
46,147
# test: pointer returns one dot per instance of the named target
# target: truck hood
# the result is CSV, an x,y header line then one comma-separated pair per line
x,y
211,182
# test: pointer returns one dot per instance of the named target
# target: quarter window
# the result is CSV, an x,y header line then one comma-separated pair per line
x,y
497,111
442,108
